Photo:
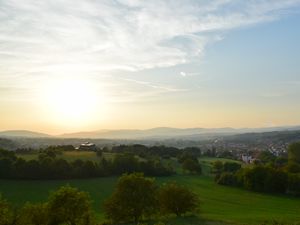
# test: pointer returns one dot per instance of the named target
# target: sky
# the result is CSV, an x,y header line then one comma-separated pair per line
x,y
80,65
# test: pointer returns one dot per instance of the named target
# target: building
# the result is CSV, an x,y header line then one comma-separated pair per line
x,y
247,158
87,146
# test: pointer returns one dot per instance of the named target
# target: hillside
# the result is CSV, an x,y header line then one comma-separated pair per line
x,y
22,133
167,132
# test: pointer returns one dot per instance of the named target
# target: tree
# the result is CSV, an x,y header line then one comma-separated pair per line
x,y
294,184
294,153
192,166
125,163
177,199
6,214
276,181
266,157
227,178
293,167
70,206
231,167
133,198
264,179
217,167
254,178
34,214
99,153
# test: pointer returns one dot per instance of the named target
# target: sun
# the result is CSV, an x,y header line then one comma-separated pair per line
x,y
71,100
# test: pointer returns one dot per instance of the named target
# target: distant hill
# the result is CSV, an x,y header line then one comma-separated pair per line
x,y
154,133
287,136
170,137
22,133
167,132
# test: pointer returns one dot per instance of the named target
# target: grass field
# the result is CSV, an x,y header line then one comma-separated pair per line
x,y
218,203
71,156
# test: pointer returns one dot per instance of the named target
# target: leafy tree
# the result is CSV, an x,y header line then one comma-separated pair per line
x,y
226,154
231,167
280,162
62,168
186,155
293,167
7,154
227,178
192,166
263,179
294,184
133,198
33,214
32,169
6,167
99,153
266,157
254,179
217,167
276,181
125,163
6,214
177,199
294,153
69,206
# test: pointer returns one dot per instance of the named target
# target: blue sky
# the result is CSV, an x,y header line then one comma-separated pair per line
x,y
142,64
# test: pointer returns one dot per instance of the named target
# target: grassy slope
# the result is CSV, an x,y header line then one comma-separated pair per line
x,y
217,202
71,156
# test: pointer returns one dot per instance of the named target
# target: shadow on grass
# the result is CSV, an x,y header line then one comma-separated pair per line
x,y
185,220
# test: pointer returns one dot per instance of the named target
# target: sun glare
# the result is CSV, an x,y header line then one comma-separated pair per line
x,y
71,100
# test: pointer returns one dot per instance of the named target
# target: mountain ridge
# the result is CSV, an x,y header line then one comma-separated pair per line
x,y
152,133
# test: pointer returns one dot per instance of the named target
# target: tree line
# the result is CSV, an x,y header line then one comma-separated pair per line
x,y
134,199
150,151
271,175
49,166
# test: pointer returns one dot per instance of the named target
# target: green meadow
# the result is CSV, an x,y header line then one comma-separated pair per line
x,y
71,155
218,204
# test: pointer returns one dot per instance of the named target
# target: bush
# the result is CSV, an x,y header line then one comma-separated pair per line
x,y
192,166
70,206
6,214
227,178
177,199
294,184
293,167
34,214
231,167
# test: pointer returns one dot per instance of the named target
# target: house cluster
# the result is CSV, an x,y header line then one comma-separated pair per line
x,y
87,146
247,158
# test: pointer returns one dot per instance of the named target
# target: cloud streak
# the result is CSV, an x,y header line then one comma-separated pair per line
x,y
45,38
129,35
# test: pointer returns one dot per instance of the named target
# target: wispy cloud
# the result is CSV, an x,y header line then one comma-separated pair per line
x,y
188,74
42,38
137,90
121,34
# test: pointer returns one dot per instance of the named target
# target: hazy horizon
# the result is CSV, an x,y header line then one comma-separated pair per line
x,y
128,64
206,130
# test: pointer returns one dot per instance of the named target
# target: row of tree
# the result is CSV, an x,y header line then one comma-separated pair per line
x,y
135,198
262,179
273,175
150,151
49,166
